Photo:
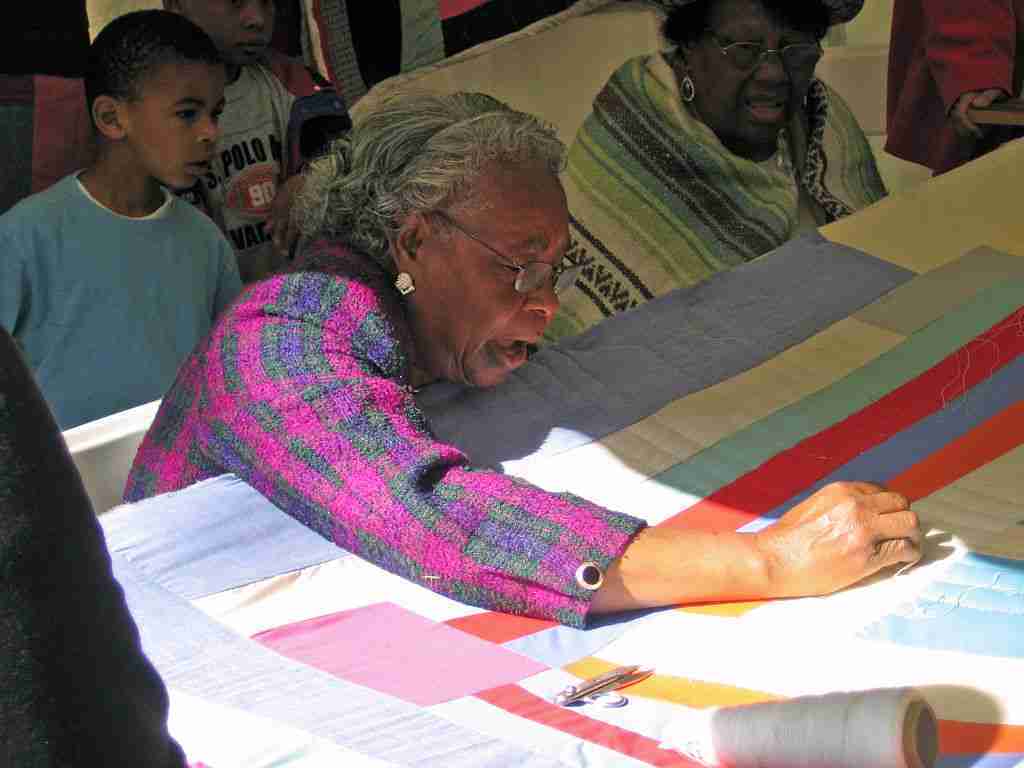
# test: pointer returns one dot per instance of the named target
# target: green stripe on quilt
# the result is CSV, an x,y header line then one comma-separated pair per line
x,y
720,464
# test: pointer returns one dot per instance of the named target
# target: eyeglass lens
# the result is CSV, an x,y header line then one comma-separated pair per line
x,y
533,274
794,57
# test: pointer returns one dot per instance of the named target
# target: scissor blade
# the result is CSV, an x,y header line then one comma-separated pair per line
x,y
634,677
601,681
620,681
598,684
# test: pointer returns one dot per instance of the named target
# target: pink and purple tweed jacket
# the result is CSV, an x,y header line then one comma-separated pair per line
x,y
301,390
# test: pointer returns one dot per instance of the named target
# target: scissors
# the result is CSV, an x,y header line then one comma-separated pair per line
x,y
599,689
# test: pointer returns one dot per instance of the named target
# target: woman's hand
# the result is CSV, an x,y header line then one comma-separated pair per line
x,y
958,116
838,536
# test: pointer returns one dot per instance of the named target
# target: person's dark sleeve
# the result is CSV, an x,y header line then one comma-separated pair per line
x,y
969,46
75,687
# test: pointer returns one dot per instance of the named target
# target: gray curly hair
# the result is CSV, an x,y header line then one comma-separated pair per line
x,y
414,152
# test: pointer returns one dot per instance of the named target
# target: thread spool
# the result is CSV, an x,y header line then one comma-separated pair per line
x,y
882,728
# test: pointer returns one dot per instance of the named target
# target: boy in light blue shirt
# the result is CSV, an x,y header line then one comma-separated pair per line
x,y
107,280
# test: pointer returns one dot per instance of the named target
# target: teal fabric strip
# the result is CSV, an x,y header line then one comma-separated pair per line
x,y
720,464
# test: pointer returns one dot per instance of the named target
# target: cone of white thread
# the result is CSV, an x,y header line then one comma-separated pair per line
x,y
884,728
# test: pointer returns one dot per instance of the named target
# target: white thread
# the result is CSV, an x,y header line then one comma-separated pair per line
x,y
884,728
964,358
906,568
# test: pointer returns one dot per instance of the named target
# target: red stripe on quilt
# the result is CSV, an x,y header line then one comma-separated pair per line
x,y
983,444
958,738
448,8
499,627
790,471
522,703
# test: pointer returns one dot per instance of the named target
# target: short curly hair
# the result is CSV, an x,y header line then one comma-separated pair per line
x,y
131,47
414,152
687,22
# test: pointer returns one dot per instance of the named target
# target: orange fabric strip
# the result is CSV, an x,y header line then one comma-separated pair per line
x,y
983,444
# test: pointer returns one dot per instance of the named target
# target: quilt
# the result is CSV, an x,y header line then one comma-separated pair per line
x,y
280,649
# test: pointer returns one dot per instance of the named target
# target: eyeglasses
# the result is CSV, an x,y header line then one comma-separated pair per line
x,y
531,275
796,57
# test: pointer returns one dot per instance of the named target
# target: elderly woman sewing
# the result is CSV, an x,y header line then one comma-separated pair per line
x,y
439,230
710,154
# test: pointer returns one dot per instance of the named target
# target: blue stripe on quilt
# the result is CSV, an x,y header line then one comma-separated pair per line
x,y
977,607
914,444
214,535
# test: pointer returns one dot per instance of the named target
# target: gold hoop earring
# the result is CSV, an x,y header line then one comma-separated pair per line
x,y
404,284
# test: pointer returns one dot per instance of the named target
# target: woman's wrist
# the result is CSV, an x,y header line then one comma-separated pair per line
x,y
672,567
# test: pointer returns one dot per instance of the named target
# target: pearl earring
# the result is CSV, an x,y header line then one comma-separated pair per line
x,y
404,284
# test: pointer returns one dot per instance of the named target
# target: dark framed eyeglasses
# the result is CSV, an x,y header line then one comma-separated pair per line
x,y
796,57
532,274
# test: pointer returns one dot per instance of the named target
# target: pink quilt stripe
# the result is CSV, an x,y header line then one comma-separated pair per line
x,y
413,658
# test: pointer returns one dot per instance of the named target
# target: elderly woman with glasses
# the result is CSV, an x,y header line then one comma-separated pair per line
x,y
711,153
436,236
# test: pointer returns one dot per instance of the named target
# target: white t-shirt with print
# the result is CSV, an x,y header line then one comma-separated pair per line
x,y
249,166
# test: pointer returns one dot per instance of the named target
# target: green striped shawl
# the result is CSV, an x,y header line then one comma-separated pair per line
x,y
658,202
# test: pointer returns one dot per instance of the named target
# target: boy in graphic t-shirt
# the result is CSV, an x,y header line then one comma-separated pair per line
x,y
252,181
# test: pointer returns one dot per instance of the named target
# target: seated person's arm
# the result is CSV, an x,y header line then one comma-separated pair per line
x,y
77,689
836,537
